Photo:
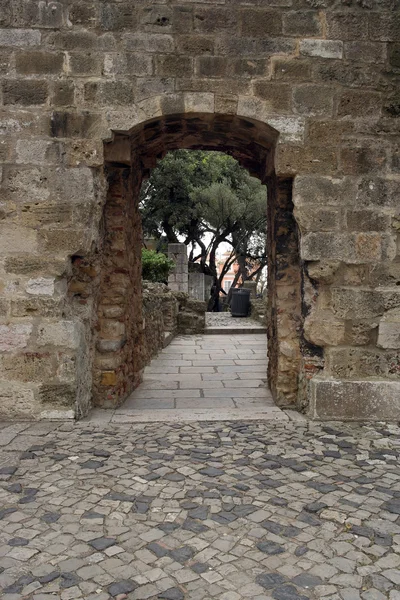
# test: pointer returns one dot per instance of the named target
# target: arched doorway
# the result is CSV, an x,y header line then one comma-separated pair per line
x,y
129,157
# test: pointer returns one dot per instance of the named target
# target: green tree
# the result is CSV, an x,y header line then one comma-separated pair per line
x,y
205,199
155,266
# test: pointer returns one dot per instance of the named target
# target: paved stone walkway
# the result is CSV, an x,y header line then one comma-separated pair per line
x,y
232,511
204,377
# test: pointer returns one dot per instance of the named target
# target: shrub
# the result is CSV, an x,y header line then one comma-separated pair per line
x,y
156,266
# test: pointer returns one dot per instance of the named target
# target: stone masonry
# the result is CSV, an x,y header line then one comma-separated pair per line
x,y
178,279
304,93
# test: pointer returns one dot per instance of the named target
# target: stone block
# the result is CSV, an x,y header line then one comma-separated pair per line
x,y
323,329
313,100
293,69
58,242
359,104
63,333
174,66
156,18
59,394
14,239
277,96
33,151
117,17
323,271
356,303
83,14
215,85
309,190
211,66
32,307
5,61
148,42
128,63
294,159
85,64
248,68
362,160
112,93
63,93
4,307
261,23
20,37
368,52
51,14
31,265
375,191
346,26
319,131
14,336
214,19
355,400
38,63
41,286
25,92
351,248
108,378
367,220
322,48
6,13
389,329
291,129
17,401
75,40
385,27
302,23
195,44
28,366
318,219
153,86
394,55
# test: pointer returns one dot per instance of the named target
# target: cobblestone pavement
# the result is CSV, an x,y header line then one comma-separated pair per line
x,y
205,376
225,319
242,510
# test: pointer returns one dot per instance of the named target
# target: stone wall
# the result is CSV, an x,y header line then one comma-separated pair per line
x,y
178,279
165,314
299,91
160,318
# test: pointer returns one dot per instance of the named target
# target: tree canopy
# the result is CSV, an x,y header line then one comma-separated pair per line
x,y
204,199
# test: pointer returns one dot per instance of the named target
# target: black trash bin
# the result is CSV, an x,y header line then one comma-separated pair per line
x,y
240,304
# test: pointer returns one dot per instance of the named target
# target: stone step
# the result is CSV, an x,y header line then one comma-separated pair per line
x,y
235,330
270,413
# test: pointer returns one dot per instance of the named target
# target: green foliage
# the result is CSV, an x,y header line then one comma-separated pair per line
x,y
155,266
204,199
191,193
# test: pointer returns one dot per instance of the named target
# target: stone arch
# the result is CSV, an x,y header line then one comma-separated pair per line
x,y
130,153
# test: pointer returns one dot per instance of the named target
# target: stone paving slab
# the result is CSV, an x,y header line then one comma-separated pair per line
x,y
203,372
240,510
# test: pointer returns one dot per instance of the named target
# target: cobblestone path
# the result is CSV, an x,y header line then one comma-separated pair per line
x,y
205,377
235,510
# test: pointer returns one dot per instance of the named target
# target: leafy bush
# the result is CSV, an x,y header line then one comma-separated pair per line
x,y
156,266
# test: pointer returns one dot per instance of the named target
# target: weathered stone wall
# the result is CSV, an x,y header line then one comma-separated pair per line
x,y
178,279
160,318
321,74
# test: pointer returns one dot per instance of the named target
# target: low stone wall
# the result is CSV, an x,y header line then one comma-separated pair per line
x,y
258,309
160,318
166,313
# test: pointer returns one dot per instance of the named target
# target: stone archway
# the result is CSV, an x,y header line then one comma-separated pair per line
x,y
129,157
